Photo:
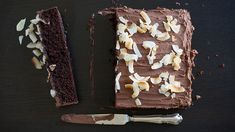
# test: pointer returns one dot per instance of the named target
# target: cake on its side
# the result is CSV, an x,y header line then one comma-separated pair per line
x,y
154,58
58,62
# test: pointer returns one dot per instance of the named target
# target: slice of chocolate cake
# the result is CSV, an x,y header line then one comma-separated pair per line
x,y
57,56
154,58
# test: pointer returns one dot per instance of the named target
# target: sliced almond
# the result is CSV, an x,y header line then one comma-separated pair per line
x,y
117,84
164,75
177,50
138,102
117,45
176,89
21,39
121,28
130,65
176,63
173,22
123,37
128,86
136,90
140,78
141,30
143,86
167,59
37,52
31,45
173,95
163,36
175,28
123,20
167,94
39,46
132,29
129,43
20,25
153,30
171,79
149,44
167,26
129,57
36,63
52,67
123,52
145,17
136,50
169,18
52,93
156,80
33,37
156,65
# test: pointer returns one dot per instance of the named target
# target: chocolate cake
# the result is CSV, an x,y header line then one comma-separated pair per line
x,y
154,58
57,57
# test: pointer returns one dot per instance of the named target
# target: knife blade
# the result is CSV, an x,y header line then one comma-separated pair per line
x,y
121,119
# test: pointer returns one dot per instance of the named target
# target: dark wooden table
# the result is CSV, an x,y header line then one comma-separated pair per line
x,y
25,102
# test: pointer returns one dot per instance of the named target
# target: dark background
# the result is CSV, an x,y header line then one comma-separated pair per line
x,y
25,102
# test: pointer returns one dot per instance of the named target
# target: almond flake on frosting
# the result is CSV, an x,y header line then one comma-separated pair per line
x,y
145,17
130,65
170,85
177,50
136,50
117,84
129,59
138,102
152,50
153,30
171,24
132,29
156,65
167,26
163,36
129,43
156,80
141,30
117,45
121,28
139,83
123,20
135,89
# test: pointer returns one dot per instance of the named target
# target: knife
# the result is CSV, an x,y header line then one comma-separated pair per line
x,y
121,119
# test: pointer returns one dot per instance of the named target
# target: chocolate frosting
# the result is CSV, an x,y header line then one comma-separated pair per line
x,y
152,98
85,119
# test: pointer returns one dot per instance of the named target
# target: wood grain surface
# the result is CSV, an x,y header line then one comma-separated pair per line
x,y
25,102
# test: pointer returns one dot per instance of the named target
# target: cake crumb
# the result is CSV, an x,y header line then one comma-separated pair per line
x,y
221,65
216,55
177,3
186,3
201,72
198,97
208,57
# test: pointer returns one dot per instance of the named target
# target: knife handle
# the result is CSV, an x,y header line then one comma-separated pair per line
x,y
173,119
